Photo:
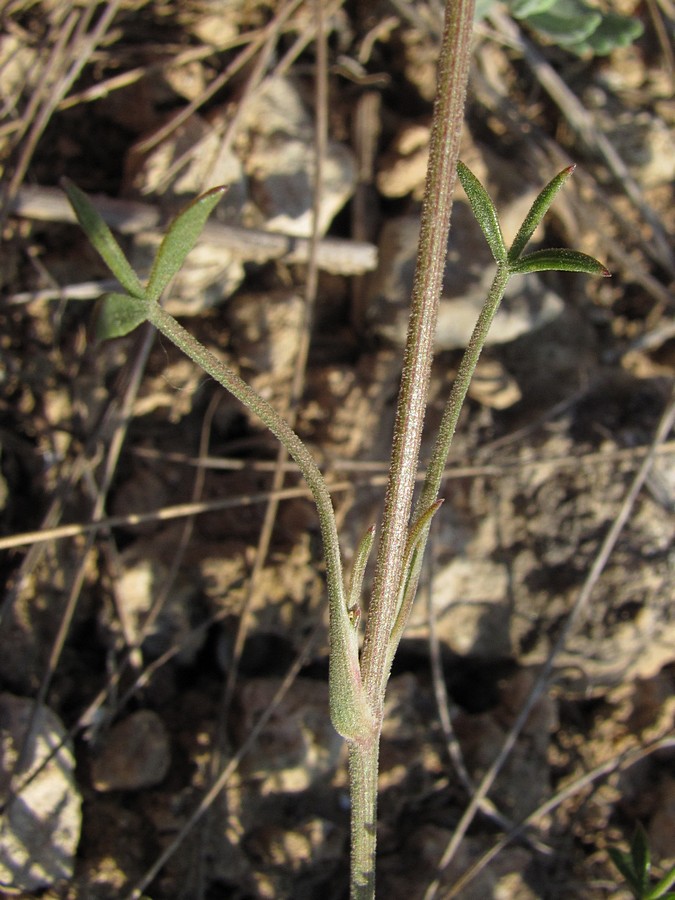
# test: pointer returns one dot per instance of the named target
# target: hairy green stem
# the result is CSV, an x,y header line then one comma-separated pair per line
x,y
446,432
390,574
224,375
363,768
453,72
460,387
349,710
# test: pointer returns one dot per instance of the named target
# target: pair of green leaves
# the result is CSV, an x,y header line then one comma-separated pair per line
x,y
121,313
560,260
635,866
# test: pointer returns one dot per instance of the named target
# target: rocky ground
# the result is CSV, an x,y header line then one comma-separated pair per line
x,y
181,643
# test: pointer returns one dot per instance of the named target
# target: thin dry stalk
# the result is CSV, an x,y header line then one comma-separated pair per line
x,y
69,58
180,510
617,763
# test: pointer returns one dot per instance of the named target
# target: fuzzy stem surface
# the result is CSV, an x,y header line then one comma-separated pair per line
x,y
349,710
363,768
460,387
453,73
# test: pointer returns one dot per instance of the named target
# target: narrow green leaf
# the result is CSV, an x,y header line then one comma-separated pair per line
x,y
102,238
641,857
484,211
414,548
664,884
181,237
537,212
558,260
624,864
118,314
358,572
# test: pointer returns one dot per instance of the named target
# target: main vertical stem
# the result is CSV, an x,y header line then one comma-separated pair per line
x,y
363,765
453,73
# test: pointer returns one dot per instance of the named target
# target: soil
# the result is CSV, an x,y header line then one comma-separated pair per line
x,y
171,644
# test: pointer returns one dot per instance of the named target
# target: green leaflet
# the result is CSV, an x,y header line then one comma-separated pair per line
x,y
484,211
574,25
118,314
566,22
558,260
102,238
614,31
537,212
181,237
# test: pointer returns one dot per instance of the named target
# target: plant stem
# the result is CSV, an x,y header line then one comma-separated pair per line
x,y
363,767
453,72
448,426
225,376
453,407
349,710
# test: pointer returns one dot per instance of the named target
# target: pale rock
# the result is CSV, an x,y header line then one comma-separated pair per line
x,y
310,843
277,149
18,66
40,827
349,408
266,331
282,172
140,583
646,145
493,386
190,160
187,80
471,607
277,108
210,26
403,168
527,304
